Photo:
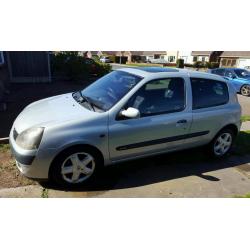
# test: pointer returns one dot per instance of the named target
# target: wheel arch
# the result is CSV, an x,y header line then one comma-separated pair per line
x,y
230,126
245,84
76,146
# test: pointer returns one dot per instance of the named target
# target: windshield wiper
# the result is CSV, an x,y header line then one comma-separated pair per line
x,y
96,103
83,98
92,103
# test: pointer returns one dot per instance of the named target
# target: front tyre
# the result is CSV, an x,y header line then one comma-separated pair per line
x,y
245,90
222,143
75,167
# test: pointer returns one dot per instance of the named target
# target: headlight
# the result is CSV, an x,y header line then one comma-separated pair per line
x,y
30,138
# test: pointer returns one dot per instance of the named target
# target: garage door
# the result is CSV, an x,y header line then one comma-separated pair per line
x,y
242,63
29,66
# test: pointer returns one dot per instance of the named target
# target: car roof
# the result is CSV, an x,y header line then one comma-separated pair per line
x,y
164,72
228,68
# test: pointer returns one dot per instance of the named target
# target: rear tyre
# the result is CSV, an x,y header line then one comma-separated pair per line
x,y
75,167
245,90
222,144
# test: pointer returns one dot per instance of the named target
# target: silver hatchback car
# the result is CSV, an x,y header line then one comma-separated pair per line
x,y
127,114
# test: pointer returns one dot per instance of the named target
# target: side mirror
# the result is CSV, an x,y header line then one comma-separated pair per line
x,y
130,113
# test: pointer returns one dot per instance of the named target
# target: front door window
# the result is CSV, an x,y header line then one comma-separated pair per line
x,y
159,96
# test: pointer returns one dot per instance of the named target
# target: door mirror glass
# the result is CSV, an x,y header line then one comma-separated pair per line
x,y
130,113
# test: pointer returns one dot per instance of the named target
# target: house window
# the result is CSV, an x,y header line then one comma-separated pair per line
x,y
203,59
224,62
1,58
171,58
229,62
233,62
195,58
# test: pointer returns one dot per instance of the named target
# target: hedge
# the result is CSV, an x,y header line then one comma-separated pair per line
x,y
74,66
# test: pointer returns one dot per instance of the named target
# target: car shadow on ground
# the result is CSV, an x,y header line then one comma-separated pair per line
x,y
157,169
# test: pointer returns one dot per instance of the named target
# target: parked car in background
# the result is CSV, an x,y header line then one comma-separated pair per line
x,y
240,78
158,60
105,59
127,114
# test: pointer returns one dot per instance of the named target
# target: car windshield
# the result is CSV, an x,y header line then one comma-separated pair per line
x,y
242,73
108,90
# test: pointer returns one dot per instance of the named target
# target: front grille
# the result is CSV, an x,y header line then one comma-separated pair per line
x,y
15,134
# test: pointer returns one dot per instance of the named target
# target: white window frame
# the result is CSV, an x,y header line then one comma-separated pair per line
x,y
1,58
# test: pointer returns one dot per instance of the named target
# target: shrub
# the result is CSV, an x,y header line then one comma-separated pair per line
x,y
75,66
169,64
190,65
96,58
180,63
200,64
69,63
102,69
112,58
213,65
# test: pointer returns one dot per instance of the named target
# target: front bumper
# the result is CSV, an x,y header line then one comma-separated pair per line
x,y
22,158
33,164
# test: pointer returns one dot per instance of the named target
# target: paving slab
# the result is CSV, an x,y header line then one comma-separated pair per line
x,y
31,191
245,126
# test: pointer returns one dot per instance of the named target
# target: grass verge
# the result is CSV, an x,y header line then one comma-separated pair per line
x,y
45,193
245,118
242,196
4,148
9,174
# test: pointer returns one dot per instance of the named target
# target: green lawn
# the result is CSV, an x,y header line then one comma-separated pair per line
x,y
242,196
245,118
4,148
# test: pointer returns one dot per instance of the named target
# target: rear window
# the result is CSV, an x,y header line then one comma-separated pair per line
x,y
208,93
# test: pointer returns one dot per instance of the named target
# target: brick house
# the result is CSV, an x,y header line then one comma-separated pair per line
x,y
239,59
206,56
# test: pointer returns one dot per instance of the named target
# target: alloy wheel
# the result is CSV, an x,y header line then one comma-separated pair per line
x,y
78,167
245,90
223,144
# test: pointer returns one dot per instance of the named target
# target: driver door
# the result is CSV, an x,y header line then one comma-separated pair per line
x,y
232,78
163,124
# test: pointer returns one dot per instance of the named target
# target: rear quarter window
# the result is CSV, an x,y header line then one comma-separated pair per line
x,y
208,93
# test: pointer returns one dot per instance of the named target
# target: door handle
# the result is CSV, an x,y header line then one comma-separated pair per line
x,y
182,121
182,124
